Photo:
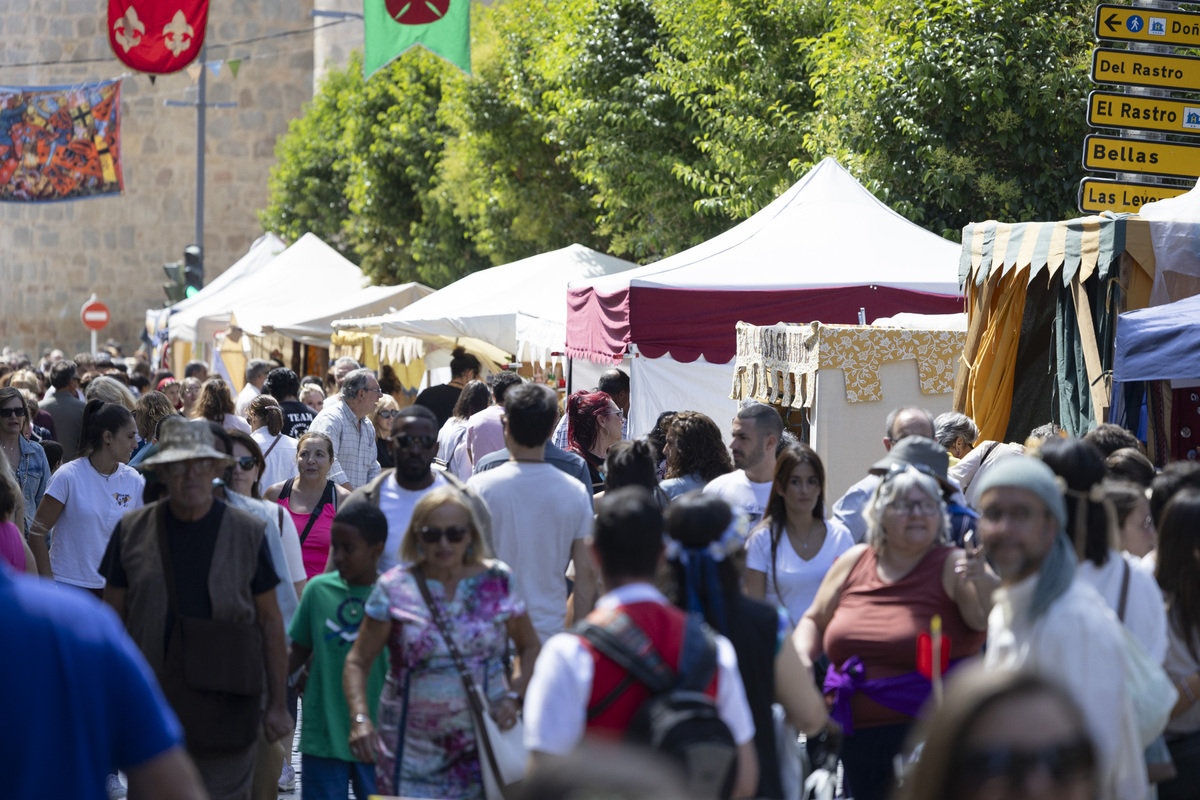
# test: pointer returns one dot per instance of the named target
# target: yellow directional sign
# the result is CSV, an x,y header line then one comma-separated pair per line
x,y
1143,24
1172,159
1145,69
1129,112
1127,197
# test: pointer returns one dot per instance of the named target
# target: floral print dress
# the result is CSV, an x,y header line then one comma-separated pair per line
x,y
427,737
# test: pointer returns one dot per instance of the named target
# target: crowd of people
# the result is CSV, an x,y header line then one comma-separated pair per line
x,y
413,587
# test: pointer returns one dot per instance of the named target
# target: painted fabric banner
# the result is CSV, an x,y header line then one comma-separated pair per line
x,y
393,26
157,36
60,142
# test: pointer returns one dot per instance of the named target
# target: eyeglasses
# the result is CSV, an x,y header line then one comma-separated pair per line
x,y
247,463
375,389
454,534
924,508
12,412
388,413
614,412
1062,762
404,441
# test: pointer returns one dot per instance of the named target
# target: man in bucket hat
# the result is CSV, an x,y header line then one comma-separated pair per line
x,y
203,612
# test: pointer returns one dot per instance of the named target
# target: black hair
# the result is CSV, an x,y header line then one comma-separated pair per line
x,y
417,412
501,384
461,361
613,382
1109,438
531,410
1176,568
1176,476
766,419
140,382
627,534
658,434
193,368
100,418
630,463
54,453
1081,464
471,400
1130,464
368,520
61,374
696,520
281,384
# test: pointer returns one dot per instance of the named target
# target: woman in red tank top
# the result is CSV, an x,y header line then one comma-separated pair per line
x,y
873,604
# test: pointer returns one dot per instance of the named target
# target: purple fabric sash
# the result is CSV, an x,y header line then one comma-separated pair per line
x,y
904,693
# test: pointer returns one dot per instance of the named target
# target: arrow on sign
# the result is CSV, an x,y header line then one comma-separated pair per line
x,y
1111,22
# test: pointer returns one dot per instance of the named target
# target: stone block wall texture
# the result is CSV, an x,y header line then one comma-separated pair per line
x,y
54,256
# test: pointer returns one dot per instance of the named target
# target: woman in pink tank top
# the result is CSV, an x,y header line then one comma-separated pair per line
x,y
312,499
874,603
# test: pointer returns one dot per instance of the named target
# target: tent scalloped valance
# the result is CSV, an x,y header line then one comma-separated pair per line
x,y
779,363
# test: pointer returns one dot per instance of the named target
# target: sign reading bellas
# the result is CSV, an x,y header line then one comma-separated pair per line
x,y
157,36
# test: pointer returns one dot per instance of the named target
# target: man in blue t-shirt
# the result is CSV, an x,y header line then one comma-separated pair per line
x,y
80,701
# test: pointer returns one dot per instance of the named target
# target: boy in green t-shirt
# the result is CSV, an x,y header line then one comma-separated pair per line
x,y
325,626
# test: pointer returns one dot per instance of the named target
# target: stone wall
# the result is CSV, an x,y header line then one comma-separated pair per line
x,y
54,256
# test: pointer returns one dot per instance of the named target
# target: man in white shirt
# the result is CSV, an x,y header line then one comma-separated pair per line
x,y
541,517
900,423
756,431
627,546
1046,621
256,376
395,492
355,460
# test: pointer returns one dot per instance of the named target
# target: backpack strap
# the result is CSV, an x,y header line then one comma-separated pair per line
x,y
627,645
1124,591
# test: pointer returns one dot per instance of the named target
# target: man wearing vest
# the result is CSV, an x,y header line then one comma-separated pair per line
x,y
193,581
571,694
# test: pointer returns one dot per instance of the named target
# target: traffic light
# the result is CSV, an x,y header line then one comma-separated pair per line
x,y
193,269
176,286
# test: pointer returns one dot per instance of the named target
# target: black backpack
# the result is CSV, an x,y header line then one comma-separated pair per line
x,y
678,720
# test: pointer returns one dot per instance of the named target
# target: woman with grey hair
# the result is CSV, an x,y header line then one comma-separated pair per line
x,y
956,432
872,607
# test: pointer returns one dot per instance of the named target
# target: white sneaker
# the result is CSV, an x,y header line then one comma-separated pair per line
x,y
114,788
287,779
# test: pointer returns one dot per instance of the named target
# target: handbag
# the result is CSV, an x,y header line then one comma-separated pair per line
x,y
212,675
503,756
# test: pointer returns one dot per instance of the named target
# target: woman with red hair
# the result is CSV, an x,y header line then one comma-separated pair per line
x,y
593,425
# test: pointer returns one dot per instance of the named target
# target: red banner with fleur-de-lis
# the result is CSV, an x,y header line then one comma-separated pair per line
x,y
157,36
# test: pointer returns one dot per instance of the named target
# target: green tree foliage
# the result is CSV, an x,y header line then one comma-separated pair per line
x,y
955,110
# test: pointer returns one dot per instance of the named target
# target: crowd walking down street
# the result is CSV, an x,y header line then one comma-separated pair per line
x,y
494,592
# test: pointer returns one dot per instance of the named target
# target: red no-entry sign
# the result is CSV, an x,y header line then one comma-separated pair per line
x,y
94,314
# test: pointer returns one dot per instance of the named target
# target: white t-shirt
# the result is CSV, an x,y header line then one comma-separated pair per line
x,y
237,423
740,492
397,504
557,698
1145,615
798,579
92,507
281,463
538,512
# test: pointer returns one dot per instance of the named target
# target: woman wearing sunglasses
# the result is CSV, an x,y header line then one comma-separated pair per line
x,y
312,499
870,610
425,745
28,460
383,417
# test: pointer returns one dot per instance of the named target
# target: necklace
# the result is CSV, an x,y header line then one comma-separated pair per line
x,y
808,537
105,475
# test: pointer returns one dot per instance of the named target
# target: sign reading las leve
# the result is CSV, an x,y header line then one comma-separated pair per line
x,y
1151,25
1125,197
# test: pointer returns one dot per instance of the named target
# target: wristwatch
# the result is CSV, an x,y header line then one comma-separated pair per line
x,y
360,718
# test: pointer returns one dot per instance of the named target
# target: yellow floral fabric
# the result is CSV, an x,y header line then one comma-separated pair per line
x,y
780,363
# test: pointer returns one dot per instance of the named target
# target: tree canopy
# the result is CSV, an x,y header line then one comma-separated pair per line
x,y
641,127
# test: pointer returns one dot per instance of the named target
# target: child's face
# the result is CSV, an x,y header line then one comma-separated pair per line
x,y
354,559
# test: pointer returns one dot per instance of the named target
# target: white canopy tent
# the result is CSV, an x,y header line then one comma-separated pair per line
x,y
309,320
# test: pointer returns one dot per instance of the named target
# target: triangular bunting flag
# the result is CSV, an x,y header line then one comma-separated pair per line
x,y
393,26
194,72
234,65
152,78
215,68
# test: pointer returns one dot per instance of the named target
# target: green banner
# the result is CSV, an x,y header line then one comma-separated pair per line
x,y
393,26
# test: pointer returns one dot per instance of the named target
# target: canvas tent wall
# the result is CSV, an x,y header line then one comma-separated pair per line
x,y
846,378
821,251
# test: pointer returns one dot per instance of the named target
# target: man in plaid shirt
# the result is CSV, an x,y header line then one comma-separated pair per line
x,y
353,435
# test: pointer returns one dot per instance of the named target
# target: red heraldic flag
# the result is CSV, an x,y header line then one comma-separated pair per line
x,y
157,36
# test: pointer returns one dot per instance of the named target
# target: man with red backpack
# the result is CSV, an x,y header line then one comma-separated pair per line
x,y
640,670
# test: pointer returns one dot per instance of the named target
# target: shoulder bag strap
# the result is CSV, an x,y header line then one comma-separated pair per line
x,y
1124,591
316,512
468,681
278,436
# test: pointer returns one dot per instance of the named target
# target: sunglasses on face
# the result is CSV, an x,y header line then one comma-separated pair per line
x,y
12,412
388,413
1062,762
247,463
453,534
404,441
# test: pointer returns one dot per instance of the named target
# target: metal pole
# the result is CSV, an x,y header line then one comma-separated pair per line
x,y
201,108
93,343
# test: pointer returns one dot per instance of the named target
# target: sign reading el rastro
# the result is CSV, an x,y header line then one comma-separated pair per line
x,y
1128,68
1129,112
1143,24
1171,159
1126,197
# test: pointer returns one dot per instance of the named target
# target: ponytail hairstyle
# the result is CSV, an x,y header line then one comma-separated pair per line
x,y
266,408
703,534
1091,522
100,418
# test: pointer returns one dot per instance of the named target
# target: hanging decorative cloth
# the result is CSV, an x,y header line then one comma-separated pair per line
x,y
157,36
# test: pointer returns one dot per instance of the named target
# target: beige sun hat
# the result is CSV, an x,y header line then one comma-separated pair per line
x,y
181,439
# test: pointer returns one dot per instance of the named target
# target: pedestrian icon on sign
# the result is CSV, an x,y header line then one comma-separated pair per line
x,y
1134,23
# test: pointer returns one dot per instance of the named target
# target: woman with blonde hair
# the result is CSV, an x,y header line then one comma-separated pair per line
x,y
110,390
382,418
149,410
425,745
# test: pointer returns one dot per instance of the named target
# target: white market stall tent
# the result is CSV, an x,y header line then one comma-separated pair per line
x,y
822,250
